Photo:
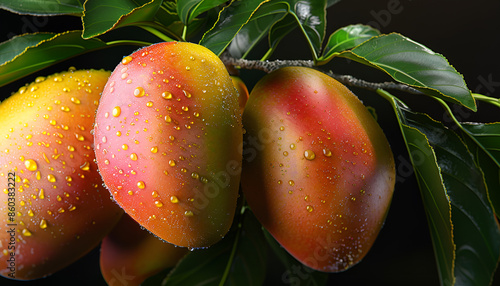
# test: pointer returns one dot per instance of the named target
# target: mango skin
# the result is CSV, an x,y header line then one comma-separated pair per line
x,y
318,171
134,252
61,210
242,89
168,142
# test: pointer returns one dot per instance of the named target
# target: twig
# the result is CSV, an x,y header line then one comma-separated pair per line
x,y
269,66
352,81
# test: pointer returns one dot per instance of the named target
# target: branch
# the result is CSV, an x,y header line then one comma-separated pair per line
x,y
269,66
266,66
352,81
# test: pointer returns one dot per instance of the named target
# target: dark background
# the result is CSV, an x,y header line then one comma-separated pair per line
x,y
465,32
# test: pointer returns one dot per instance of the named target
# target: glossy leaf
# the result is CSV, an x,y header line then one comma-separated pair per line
x,y
311,16
433,192
257,28
239,259
101,16
280,30
231,19
306,276
347,38
43,7
45,53
18,44
413,64
488,135
475,234
330,3
485,146
189,9
475,230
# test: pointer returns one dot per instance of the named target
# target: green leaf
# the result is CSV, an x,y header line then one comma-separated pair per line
x,y
475,230
488,135
47,51
18,44
101,16
484,142
446,171
239,259
413,64
311,16
347,38
280,30
307,276
231,19
330,3
43,7
257,28
433,192
190,9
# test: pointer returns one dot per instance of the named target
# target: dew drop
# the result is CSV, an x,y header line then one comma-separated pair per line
x,y
293,146
26,232
291,183
188,213
154,150
126,60
171,163
309,155
186,94
117,111
149,104
168,118
282,128
133,157
51,178
30,165
141,185
195,175
309,208
174,199
158,204
75,100
124,146
85,166
130,193
327,152
166,95
139,92
43,224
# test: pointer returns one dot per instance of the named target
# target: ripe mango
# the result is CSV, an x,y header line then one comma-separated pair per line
x,y
168,141
318,171
53,206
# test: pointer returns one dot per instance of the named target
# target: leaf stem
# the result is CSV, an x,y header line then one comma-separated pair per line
x,y
233,250
128,42
488,99
158,30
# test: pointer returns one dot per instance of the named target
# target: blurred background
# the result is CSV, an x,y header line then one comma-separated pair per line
x,y
465,32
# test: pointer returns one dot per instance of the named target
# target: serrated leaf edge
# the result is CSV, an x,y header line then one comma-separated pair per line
x,y
218,19
474,108
114,25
